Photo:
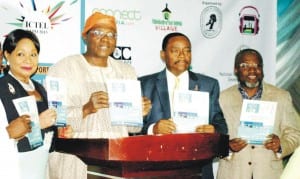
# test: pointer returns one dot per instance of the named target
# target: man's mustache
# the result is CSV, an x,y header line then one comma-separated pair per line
x,y
185,61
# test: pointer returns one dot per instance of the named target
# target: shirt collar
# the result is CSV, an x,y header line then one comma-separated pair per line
x,y
244,94
183,75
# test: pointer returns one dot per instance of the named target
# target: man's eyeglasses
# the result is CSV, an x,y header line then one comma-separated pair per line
x,y
101,34
247,66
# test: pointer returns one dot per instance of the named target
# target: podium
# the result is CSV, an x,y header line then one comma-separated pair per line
x,y
148,155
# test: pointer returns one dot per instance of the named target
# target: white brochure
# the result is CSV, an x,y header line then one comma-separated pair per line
x,y
125,102
56,92
257,120
191,109
27,106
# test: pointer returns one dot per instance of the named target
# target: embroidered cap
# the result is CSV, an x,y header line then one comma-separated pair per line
x,y
98,19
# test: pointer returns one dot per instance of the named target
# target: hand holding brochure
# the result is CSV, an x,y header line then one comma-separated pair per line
x,y
191,109
27,106
257,120
125,102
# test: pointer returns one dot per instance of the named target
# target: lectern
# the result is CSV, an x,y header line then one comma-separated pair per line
x,y
149,155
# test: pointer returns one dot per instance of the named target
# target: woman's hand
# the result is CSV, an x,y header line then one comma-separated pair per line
x,y
19,127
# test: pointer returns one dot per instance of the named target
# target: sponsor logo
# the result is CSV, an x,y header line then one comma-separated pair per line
x,y
211,22
124,17
166,24
122,53
249,20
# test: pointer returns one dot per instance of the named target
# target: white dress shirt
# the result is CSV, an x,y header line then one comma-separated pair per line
x,y
183,84
171,80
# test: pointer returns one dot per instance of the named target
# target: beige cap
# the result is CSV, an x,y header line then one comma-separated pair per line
x,y
98,19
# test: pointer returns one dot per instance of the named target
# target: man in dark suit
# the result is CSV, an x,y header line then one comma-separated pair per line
x,y
158,87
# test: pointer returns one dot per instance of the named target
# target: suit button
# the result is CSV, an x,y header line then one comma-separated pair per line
x,y
252,147
249,163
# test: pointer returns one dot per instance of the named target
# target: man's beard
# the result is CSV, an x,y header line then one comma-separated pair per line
x,y
251,85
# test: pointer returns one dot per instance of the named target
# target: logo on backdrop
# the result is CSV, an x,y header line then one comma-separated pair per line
x,y
122,53
123,17
166,13
166,24
211,22
39,21
249,20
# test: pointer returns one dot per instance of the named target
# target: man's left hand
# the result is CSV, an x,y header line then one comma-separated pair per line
x,y
273,143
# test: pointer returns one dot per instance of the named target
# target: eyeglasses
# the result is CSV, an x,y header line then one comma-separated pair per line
x,y
177,51
101,34
247,66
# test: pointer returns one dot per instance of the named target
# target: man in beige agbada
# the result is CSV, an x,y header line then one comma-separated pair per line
x,y
87,99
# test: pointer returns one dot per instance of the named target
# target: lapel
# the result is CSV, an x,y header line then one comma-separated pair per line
x,y
267,94
163,94
194,82
162,89
16,86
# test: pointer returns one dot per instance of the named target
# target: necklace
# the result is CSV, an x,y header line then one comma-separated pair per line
x,y
27,86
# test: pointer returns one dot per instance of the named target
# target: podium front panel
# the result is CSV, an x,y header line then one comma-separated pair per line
x,y
148,155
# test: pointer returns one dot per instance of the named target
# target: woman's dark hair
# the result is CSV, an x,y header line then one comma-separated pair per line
x,y
169,36
15,36
243,52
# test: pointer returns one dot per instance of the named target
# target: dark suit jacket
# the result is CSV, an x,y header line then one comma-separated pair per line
x,y
155,87
11,89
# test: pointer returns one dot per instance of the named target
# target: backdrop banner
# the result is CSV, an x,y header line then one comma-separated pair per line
x,y
217,29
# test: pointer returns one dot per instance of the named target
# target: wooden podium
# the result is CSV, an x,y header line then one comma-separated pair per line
x,y
148,155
